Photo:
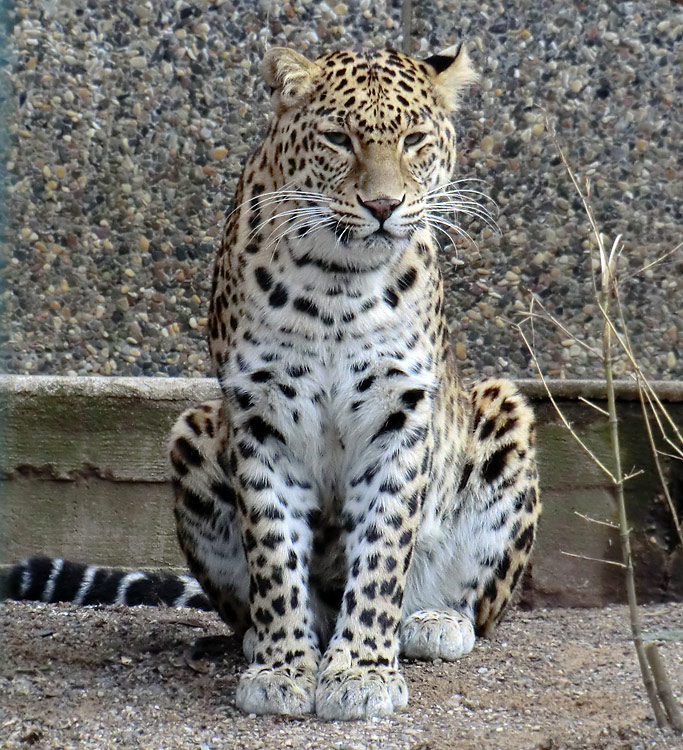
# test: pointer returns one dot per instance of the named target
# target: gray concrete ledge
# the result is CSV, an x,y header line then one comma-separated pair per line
x,y
147,389
200,389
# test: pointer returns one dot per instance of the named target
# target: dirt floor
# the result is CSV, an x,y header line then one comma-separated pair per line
x,y
107,677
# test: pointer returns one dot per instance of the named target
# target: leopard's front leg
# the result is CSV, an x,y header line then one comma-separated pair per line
x,y
274,503
359,674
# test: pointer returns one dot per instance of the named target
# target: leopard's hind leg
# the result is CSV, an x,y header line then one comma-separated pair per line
x,y
476,541
206,512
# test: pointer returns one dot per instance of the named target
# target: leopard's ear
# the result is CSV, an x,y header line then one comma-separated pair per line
x,y
289,75
453,72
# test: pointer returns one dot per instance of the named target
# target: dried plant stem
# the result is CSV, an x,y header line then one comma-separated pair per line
x,y
624,531
658,464
657,410
406,24
666,694
594,559
641,383
545,315
593,406
652,668
609,524
559,411
645,387
657,261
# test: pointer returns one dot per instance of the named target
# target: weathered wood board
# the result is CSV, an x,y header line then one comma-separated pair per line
x,y
83,474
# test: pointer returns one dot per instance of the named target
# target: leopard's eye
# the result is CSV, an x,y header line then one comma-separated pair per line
x,y
412,139
339,139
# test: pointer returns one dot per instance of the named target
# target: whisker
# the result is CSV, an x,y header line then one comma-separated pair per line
x,y
458,197
299,211
469,208
487,204
456,205
468,196
451,239
286,192
435,226
457,229
460,191
462,195
463,181
328,220
475,211
292,225
246,201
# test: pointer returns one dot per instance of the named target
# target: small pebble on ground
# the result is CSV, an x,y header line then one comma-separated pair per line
x,y
103,677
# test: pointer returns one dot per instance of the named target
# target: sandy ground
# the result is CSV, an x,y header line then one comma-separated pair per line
x,y
115,677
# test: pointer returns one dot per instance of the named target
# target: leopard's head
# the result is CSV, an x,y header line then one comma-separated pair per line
x,y
364,138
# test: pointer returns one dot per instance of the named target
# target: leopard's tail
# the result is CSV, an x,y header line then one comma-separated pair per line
x,y
49,579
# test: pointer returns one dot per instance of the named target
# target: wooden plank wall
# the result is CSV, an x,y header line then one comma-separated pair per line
x,y
83,474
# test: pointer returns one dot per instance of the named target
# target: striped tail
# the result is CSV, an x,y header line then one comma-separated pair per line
x,y
48,579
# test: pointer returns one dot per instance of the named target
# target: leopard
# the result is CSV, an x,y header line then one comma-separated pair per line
x,y
349,499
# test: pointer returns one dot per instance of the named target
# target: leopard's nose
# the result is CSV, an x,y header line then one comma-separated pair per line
x,y
381,208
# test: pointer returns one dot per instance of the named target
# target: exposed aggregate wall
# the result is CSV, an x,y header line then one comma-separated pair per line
x,y
128,123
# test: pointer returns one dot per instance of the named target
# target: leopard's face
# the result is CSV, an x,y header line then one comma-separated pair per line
x,y
366,143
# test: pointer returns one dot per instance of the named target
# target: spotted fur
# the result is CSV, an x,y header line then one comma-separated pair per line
x,y
349,498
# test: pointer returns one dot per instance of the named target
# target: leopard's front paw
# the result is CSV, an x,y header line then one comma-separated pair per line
x,y
284,690
432,634
359,692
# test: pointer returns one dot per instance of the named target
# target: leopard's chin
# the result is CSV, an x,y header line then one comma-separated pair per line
x,y
383,242
376,250
359,254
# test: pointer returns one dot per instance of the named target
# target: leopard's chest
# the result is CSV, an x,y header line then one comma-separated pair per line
x,y
327,392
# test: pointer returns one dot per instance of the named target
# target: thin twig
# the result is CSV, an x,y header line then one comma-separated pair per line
x,y
669,455
649,390
559,411
595,520
639,375
655,453
658,465
657,261
656,413
547,316
586,206
594,559
593,406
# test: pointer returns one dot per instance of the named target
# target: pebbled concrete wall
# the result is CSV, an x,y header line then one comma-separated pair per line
x,y
129,121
